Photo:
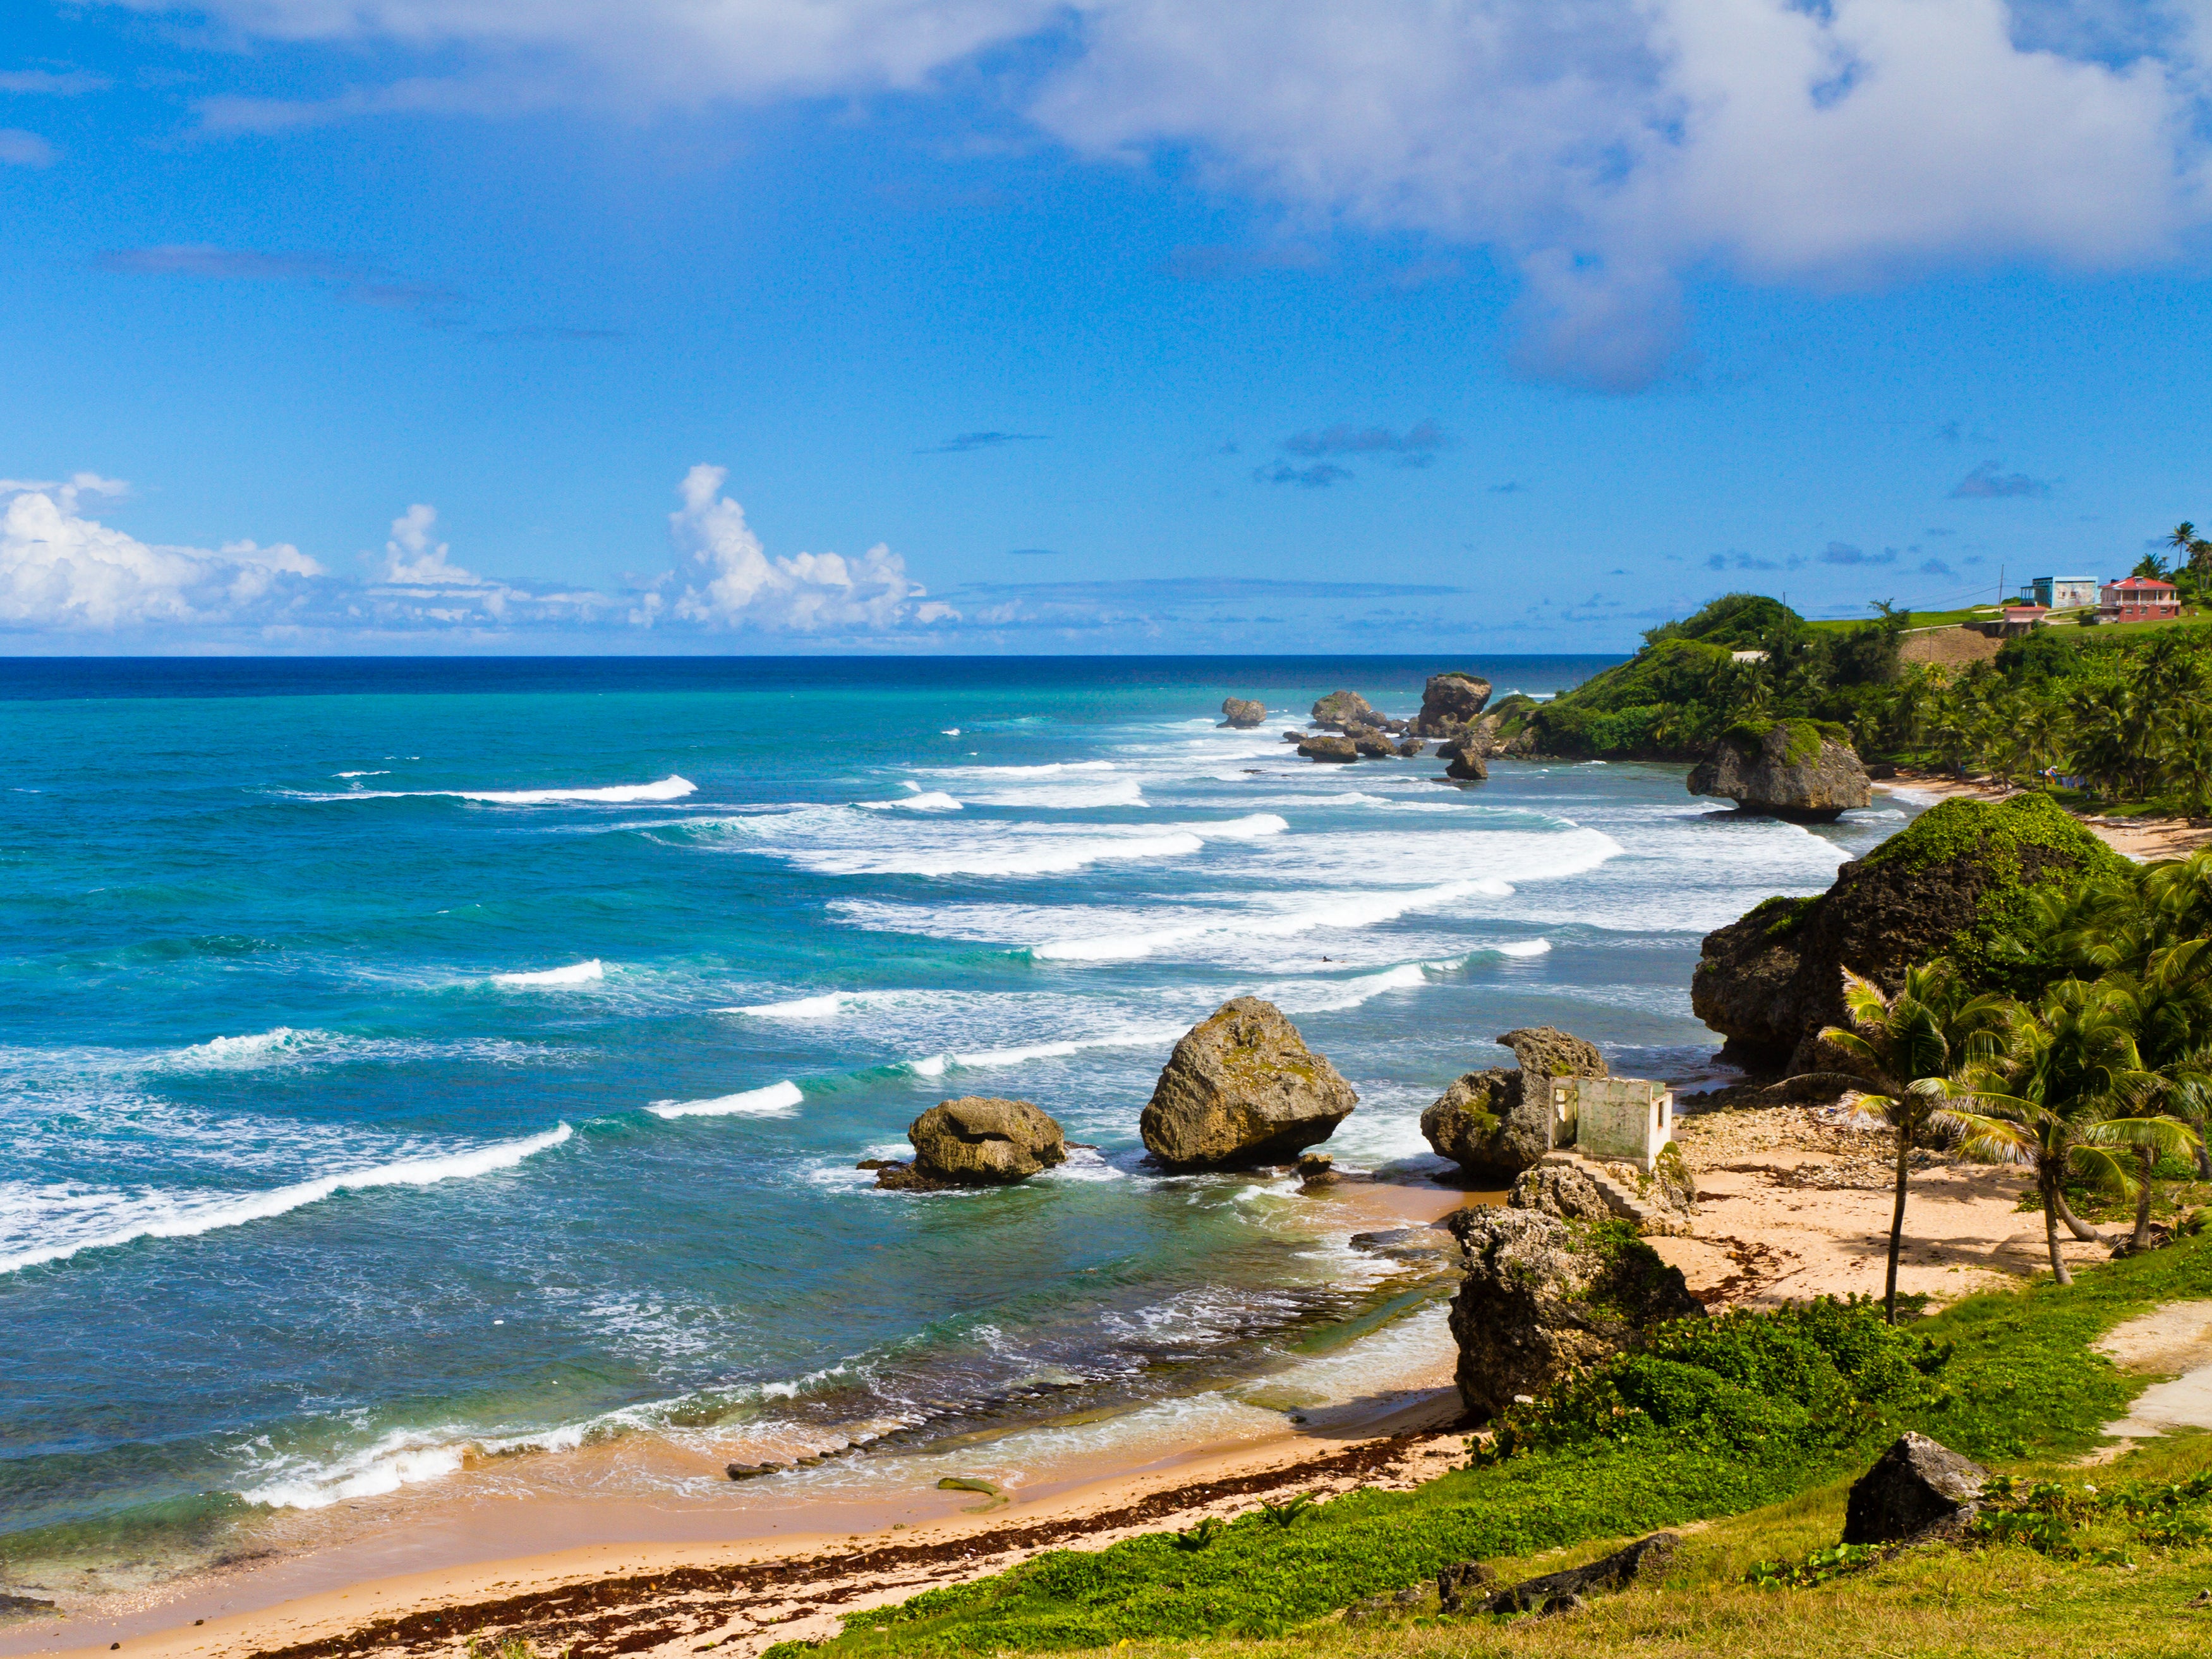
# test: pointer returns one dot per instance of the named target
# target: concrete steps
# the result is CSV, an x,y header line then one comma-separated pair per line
x,y
1652,1216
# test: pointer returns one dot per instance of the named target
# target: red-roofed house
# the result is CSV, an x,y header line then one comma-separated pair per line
x,y
2139,599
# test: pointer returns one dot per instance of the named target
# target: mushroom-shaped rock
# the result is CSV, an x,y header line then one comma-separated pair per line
x,y
1242,1087
1544,1297
1803,770
977,1141
1341,711
1324,745
1448,701
1916,1486
1241,712
1496,1123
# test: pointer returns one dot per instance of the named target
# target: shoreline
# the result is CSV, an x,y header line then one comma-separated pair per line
x,y
1794,1203
427,1547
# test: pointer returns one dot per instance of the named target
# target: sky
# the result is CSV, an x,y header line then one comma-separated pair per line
x,y
1102,325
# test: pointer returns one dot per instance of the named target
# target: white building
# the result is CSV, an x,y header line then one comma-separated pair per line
x,y
2064,593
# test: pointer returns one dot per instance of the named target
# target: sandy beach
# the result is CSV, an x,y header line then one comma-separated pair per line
x,y
1794,1203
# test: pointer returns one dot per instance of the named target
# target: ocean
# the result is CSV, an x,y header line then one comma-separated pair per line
x,y
426,1072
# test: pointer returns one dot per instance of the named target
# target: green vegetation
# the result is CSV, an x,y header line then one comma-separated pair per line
x,y
2124,712
1716,1418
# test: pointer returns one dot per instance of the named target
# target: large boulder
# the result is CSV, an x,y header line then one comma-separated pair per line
x,y
1467,764
1242,1087
1917,1486
1496,1123
1241,712
1448,701
1325,746
1342,710
1375,744
1958,882
1803,770
1543,1296
976,1141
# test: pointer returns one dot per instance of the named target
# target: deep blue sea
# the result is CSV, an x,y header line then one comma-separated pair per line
x,y
406,1064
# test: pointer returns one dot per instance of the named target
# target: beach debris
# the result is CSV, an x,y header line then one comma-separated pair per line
x,y
993,1497
1917,1487
1320,745
1544,1297
1496,1123
1242,1087
1563,1592
1241,712
1803,770
1448,702
977,1140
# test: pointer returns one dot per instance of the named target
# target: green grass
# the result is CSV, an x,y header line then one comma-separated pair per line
x,y
1744,1421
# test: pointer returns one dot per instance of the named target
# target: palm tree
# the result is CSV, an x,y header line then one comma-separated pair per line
x,y
2059,1099
2183,539
1913,1047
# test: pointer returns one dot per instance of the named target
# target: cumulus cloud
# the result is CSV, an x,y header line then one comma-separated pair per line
x,y
410,558
730,582
62,570
1604,146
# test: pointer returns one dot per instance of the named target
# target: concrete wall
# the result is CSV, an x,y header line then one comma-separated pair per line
x,y
1614,1119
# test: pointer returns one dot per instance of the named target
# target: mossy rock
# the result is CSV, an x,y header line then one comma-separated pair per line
x,y
1958,882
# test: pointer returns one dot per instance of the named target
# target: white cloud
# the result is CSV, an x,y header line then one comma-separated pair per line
x,y
1605,145
410,558
732,582
22,149
61,570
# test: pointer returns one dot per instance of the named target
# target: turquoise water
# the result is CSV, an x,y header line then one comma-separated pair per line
x,y
406,1062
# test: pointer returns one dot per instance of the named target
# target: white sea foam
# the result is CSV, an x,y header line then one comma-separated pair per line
x,y
928,800
936,1065
578,973
827,1006
671,788
1361,910
402,1458
98,1219
383,773
835,843
1102,792
1521,947
777,1100
1048,769
259,1049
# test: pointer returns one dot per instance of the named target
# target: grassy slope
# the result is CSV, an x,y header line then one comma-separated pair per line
x,y
2022,1384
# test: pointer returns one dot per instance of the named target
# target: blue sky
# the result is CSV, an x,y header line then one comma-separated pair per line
x,y
993,325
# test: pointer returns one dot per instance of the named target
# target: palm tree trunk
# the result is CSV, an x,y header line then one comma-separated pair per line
x,y
2203,1149
2051,1206
2141,1235
1896,1226
2080,1229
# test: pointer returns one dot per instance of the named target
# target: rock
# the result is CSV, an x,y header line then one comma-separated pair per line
x,y
1803,770
892,1176
977,1141
1458,1585
1318,1169
1242,1087
751,1471
1916,1486
1413,1598
1560,1190
1241,712
1448,701
1410,747
1339,711
1467,766
1644,1560
1425,1245
1489,1124
1958,882
1374,744
11,1604
1323,747
1544,1297
1296,737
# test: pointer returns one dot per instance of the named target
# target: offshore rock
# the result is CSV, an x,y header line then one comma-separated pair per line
x,y
1341,711
1544,1297
1377,746
1493,1123
1448,701
1918,1485
1241,712
1467,766
1324,747
1802,769
1958,882
1242,1087
976,1141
